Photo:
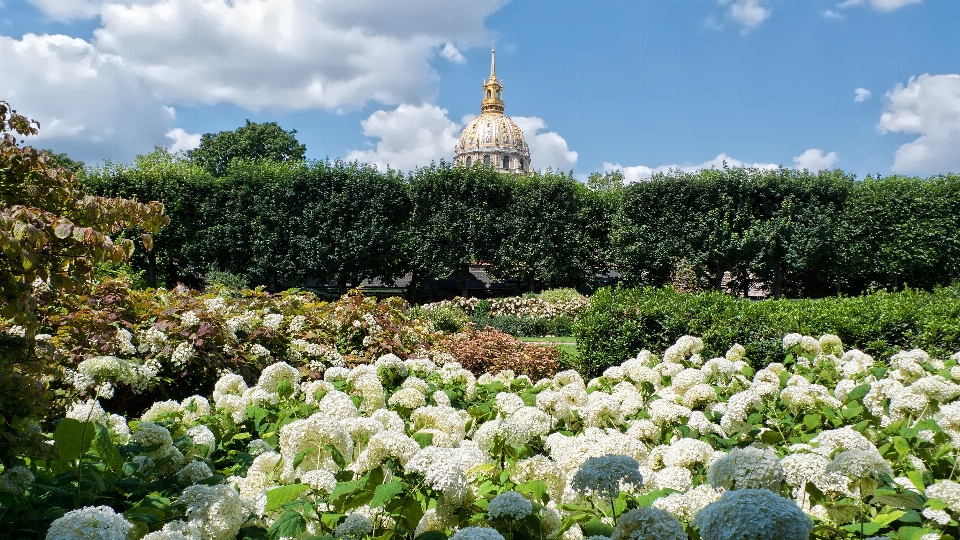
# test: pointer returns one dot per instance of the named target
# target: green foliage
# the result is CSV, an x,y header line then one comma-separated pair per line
x,y
253,141
620,322
226,282
64,161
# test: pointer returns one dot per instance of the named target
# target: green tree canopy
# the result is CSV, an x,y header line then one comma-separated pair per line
x,y
256,142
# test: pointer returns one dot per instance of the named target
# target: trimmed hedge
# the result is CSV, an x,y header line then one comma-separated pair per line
x,y
620,322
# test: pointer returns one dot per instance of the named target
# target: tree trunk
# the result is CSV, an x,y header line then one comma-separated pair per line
x,y
531,283
718,277
342,285
152,269
465,278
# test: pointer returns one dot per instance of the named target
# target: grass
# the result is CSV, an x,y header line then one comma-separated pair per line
x,y
567,344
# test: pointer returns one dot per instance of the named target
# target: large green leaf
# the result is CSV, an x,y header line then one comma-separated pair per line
x,y
72,438
385,492
280,496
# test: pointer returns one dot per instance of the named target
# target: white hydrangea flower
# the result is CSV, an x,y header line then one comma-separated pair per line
x,y
757,514
684,506
162,409
274,374
442,471
648,522
947,491
477,533
354,527
747,468
509,505
194,472
189,319
604,475
100,522
176,530
16,479
273,320
216,510
88,411
182,354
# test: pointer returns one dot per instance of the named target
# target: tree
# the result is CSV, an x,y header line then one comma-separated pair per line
x,y
49,229
347,222
454,219
253,141
548,232
64,161
52,235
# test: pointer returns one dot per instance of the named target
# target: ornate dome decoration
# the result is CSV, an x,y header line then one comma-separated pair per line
x,y
492,138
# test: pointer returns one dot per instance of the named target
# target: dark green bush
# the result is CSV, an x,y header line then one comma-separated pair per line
x,y
620,322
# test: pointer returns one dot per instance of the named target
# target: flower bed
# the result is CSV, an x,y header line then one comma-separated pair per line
x,y
828,443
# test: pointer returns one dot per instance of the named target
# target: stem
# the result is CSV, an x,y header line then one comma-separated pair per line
x,y
613,508
862,511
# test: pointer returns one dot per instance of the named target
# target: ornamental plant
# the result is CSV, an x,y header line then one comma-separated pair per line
x,y
842,445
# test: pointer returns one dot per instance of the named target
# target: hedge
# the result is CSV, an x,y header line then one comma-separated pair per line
x,y
621,322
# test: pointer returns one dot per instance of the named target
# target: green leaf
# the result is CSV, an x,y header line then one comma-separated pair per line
x,y
811,421
280,496
346,488
596,527
912,533
291,524
888,518
72,438
385,492
108,452
432,535
905,500
423,439
534,487
901,445
867,528
857,393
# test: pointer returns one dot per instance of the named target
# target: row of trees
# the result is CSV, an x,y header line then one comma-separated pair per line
x,y
797,233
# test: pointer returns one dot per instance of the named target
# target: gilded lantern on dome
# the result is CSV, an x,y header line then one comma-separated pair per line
x,y
492,138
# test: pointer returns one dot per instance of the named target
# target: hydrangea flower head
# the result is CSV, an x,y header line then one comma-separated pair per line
x,y
648,523
754,514
605,474
509,505
100,522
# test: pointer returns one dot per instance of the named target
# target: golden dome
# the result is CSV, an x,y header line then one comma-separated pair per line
x,y
493,138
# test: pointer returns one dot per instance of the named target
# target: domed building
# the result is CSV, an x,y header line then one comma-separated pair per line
x,y
492,138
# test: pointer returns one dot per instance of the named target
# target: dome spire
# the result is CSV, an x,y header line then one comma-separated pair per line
x,y
492,88
493,63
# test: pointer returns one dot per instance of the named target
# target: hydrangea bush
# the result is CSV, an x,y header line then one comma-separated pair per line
x,y
829,443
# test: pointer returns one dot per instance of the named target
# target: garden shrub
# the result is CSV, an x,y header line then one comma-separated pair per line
x,y
523,316
565,294
621,322
490,350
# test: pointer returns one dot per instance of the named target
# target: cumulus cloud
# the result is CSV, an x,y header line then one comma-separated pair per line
x,y
452,54
814,160
747,13
861,95
547,149
881,5
182,140
87,102
412,136
255,54
409,136
639,173
928,105
831,14
65,10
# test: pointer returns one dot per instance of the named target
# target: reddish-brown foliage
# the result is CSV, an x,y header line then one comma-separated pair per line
x,y
492,350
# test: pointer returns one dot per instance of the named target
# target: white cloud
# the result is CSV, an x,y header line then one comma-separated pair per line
x,y
881,5
814,160
928,105
452,54
638,173
64,10
283,54
277,54
861,95
409,136
748,13
831,14
183,140
87,102
547,149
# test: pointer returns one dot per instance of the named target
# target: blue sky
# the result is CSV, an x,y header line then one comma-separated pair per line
x,y
638,85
